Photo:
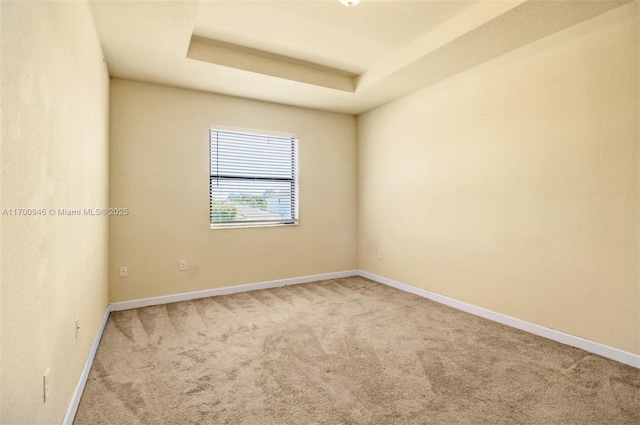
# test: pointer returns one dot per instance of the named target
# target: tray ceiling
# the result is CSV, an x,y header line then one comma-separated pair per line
x,y
320,54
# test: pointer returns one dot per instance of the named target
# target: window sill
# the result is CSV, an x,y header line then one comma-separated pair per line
x,y
251,226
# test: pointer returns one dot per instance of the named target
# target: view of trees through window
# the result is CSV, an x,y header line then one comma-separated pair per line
x,y
223,212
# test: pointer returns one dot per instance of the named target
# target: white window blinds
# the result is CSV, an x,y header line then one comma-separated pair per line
x,y
253,179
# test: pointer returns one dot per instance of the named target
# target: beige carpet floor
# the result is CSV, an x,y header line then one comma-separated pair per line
x,y
345,351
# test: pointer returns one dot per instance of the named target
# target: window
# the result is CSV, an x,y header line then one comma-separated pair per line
x,y
253,179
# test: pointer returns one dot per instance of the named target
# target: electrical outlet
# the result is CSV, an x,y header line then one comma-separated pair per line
x,y
45,386
123,271
77,326
380,253
183,265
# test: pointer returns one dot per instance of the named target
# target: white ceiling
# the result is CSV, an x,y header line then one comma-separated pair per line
x,y
326,33
318,53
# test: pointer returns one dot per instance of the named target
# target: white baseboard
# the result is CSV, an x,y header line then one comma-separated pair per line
x,y
145,302
567,339
77,394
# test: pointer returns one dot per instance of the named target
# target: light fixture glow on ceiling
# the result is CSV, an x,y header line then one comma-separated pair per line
x,y
350,3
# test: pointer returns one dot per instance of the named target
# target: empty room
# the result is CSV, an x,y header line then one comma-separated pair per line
x,y
320,212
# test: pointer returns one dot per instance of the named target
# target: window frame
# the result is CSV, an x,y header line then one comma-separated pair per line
x,y
294,181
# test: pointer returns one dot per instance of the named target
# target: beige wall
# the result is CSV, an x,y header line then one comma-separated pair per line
x,y
55,91
159,170
514,185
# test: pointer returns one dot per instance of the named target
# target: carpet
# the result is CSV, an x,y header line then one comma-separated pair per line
x,y
343,351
